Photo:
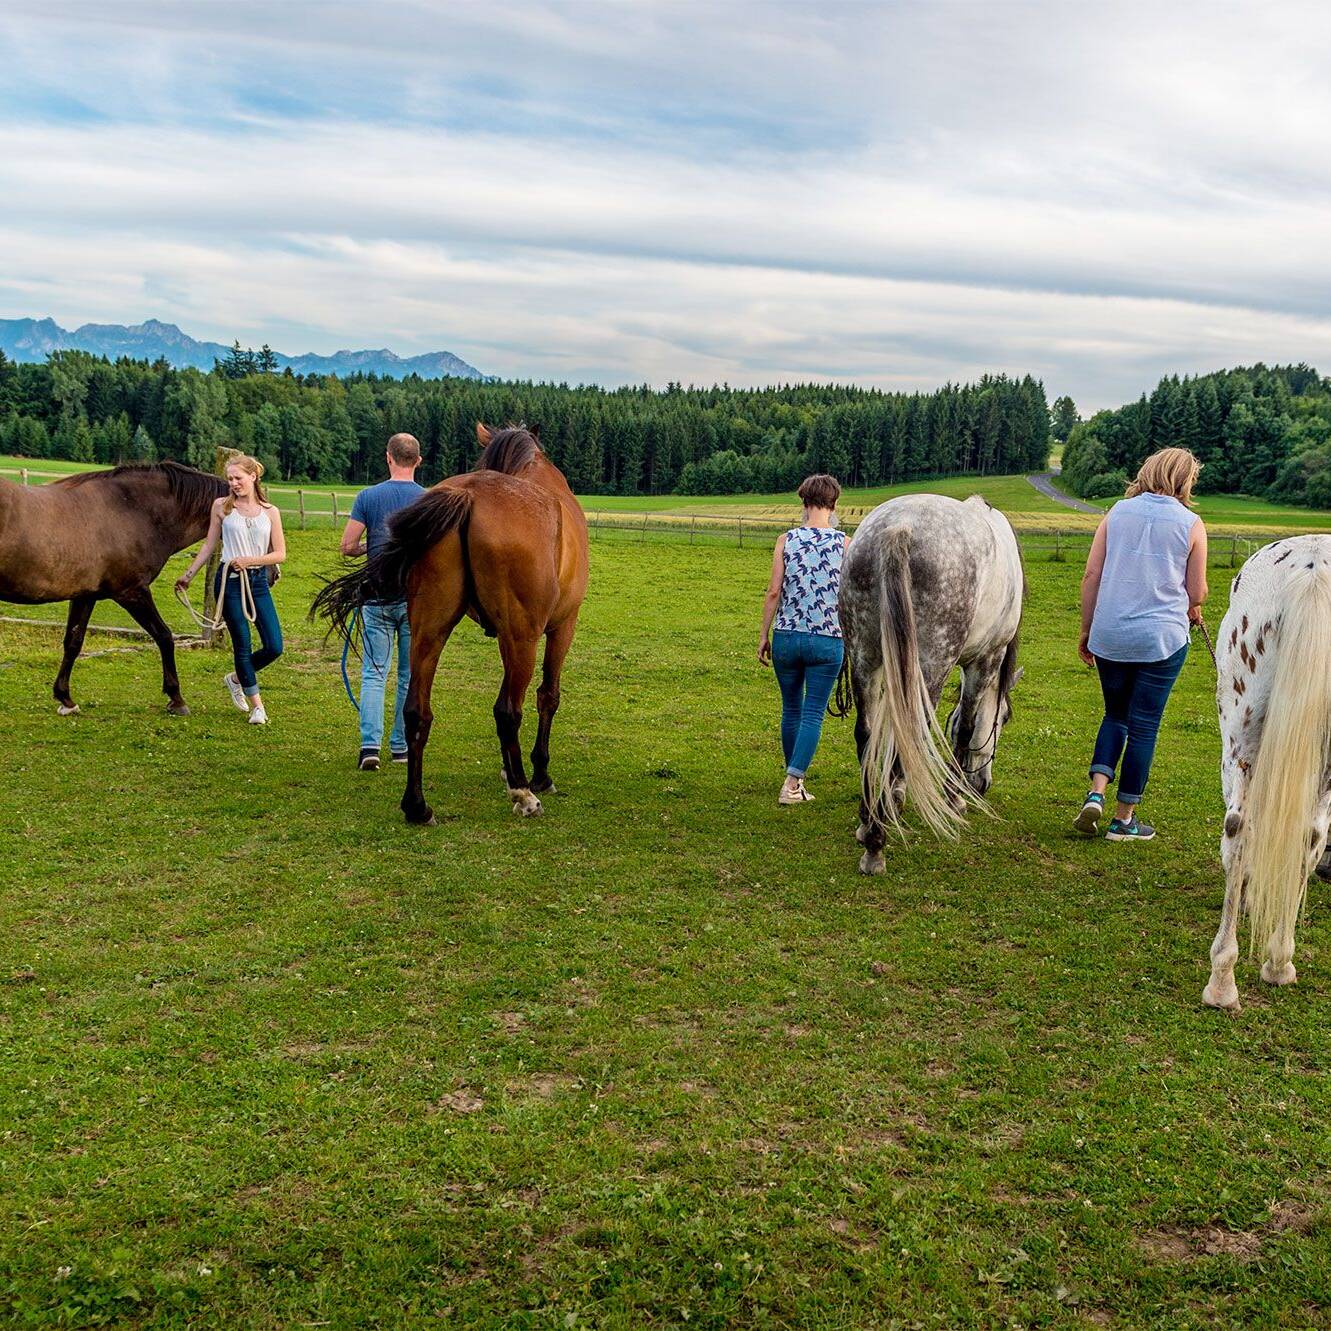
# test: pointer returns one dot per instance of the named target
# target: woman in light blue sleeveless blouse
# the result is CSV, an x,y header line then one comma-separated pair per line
x,y
1145,581
806,649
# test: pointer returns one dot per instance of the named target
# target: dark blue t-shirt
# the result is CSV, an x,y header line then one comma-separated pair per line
x,y
375,505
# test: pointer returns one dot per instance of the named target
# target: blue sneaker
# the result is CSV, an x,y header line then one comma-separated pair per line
x,y
1133,830
1087,822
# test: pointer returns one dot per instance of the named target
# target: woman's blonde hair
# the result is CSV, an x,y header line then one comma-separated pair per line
x,y
255,469
1171,471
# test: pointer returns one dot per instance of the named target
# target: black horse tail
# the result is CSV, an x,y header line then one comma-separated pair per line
x,y
412,533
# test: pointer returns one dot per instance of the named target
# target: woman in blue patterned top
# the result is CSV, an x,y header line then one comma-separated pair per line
x,y
806,649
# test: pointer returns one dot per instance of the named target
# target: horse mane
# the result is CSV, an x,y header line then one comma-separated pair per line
x,y
509,450
190,488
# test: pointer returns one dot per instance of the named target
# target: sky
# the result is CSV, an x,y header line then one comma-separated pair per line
x,y
897,195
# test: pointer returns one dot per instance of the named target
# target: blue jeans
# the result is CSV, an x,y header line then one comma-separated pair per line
x,y
380,620
806,665
249,662
1135,696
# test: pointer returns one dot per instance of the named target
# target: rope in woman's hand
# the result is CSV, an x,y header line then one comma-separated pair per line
x,y
218,621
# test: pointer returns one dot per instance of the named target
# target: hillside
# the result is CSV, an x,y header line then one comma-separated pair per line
x,y
32,340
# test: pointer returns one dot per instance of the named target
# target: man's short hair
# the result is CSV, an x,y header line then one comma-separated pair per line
x,y
404,450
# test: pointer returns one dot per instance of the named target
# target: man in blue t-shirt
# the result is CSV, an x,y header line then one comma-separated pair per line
x,y
381,621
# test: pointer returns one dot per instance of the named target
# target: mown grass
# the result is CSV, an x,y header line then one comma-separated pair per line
x,y
270,1058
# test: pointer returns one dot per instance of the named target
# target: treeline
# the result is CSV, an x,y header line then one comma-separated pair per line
x,y
623,441
1260,430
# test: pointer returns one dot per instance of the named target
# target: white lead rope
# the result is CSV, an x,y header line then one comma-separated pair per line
x,y
219,621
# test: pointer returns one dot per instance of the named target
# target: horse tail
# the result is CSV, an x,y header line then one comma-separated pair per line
x,y
412,533
902,726
1291,762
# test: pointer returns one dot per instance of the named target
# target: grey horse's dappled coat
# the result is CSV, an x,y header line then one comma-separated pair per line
x,y
928,583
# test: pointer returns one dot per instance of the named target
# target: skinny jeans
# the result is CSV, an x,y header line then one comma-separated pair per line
x,y
1135,693
806,666
249,662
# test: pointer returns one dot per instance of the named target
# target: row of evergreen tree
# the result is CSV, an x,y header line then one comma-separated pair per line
x,y
623,441
1257,431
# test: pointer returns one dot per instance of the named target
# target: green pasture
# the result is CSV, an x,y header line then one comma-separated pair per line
x,y
270,1058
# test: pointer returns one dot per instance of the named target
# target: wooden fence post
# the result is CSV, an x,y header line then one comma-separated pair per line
x,y
1233,552
741,533
643,537
300,500
215,637
334,494
693,526
25,475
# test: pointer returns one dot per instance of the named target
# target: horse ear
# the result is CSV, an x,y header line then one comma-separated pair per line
x,y
482,433
535,432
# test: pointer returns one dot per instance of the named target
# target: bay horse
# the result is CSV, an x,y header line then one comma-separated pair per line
x,y
1273,691
506,544
928,583
103,535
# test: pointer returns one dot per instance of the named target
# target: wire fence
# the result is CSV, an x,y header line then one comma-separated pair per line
x,y
313,508
717,529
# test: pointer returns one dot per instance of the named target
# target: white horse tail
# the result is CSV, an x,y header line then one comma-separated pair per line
x,y
1291,761
902,725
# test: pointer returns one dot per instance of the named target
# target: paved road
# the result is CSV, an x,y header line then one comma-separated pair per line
x,y
1043,481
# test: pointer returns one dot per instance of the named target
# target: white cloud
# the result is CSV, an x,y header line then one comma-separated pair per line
x,y
892,194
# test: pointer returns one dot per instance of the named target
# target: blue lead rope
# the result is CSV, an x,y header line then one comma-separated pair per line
x,y
346,649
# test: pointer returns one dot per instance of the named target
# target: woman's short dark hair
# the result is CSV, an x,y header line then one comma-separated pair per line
x,y
820,491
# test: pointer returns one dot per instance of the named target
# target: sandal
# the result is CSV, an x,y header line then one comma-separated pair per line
x,y
797,796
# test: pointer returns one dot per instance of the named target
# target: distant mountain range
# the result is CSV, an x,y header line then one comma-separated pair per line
x,y
35,339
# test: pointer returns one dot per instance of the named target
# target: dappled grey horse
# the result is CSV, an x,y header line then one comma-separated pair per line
x,y
929,583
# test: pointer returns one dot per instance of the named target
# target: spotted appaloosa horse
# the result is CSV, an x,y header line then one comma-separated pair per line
x,y
1274,694
928,583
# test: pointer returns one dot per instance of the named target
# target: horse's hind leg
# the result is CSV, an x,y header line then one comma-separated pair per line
x,y
141,606
519,656
872,831
1221,991
435,604
557,643
80,611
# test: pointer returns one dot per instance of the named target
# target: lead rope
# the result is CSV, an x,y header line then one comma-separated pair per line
x,y
219,620
1206,638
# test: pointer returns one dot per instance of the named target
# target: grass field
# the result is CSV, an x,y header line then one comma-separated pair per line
x,y
270,1058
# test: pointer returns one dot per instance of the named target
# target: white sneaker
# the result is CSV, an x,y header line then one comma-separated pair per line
x,y
258,717
237,693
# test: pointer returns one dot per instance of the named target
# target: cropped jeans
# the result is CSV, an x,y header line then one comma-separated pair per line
x,y
249,662
1135,694
807,666
381,621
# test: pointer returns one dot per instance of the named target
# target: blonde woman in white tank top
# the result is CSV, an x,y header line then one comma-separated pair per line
x,y
250,531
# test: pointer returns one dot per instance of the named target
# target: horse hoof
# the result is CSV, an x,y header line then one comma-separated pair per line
x,y
525,804
1286,974
546,787
872,863
177,709
422,817
1225,997
67,709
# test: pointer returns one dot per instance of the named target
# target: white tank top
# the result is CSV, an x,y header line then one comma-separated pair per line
x,y
250,537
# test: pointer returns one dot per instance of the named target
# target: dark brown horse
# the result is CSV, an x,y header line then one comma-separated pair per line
x,y
103,536
506,543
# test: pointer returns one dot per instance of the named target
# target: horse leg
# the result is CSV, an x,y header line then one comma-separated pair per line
x,y
1221,991
872,831
436,601
979,686
557,642
519,657
141,606
80,611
